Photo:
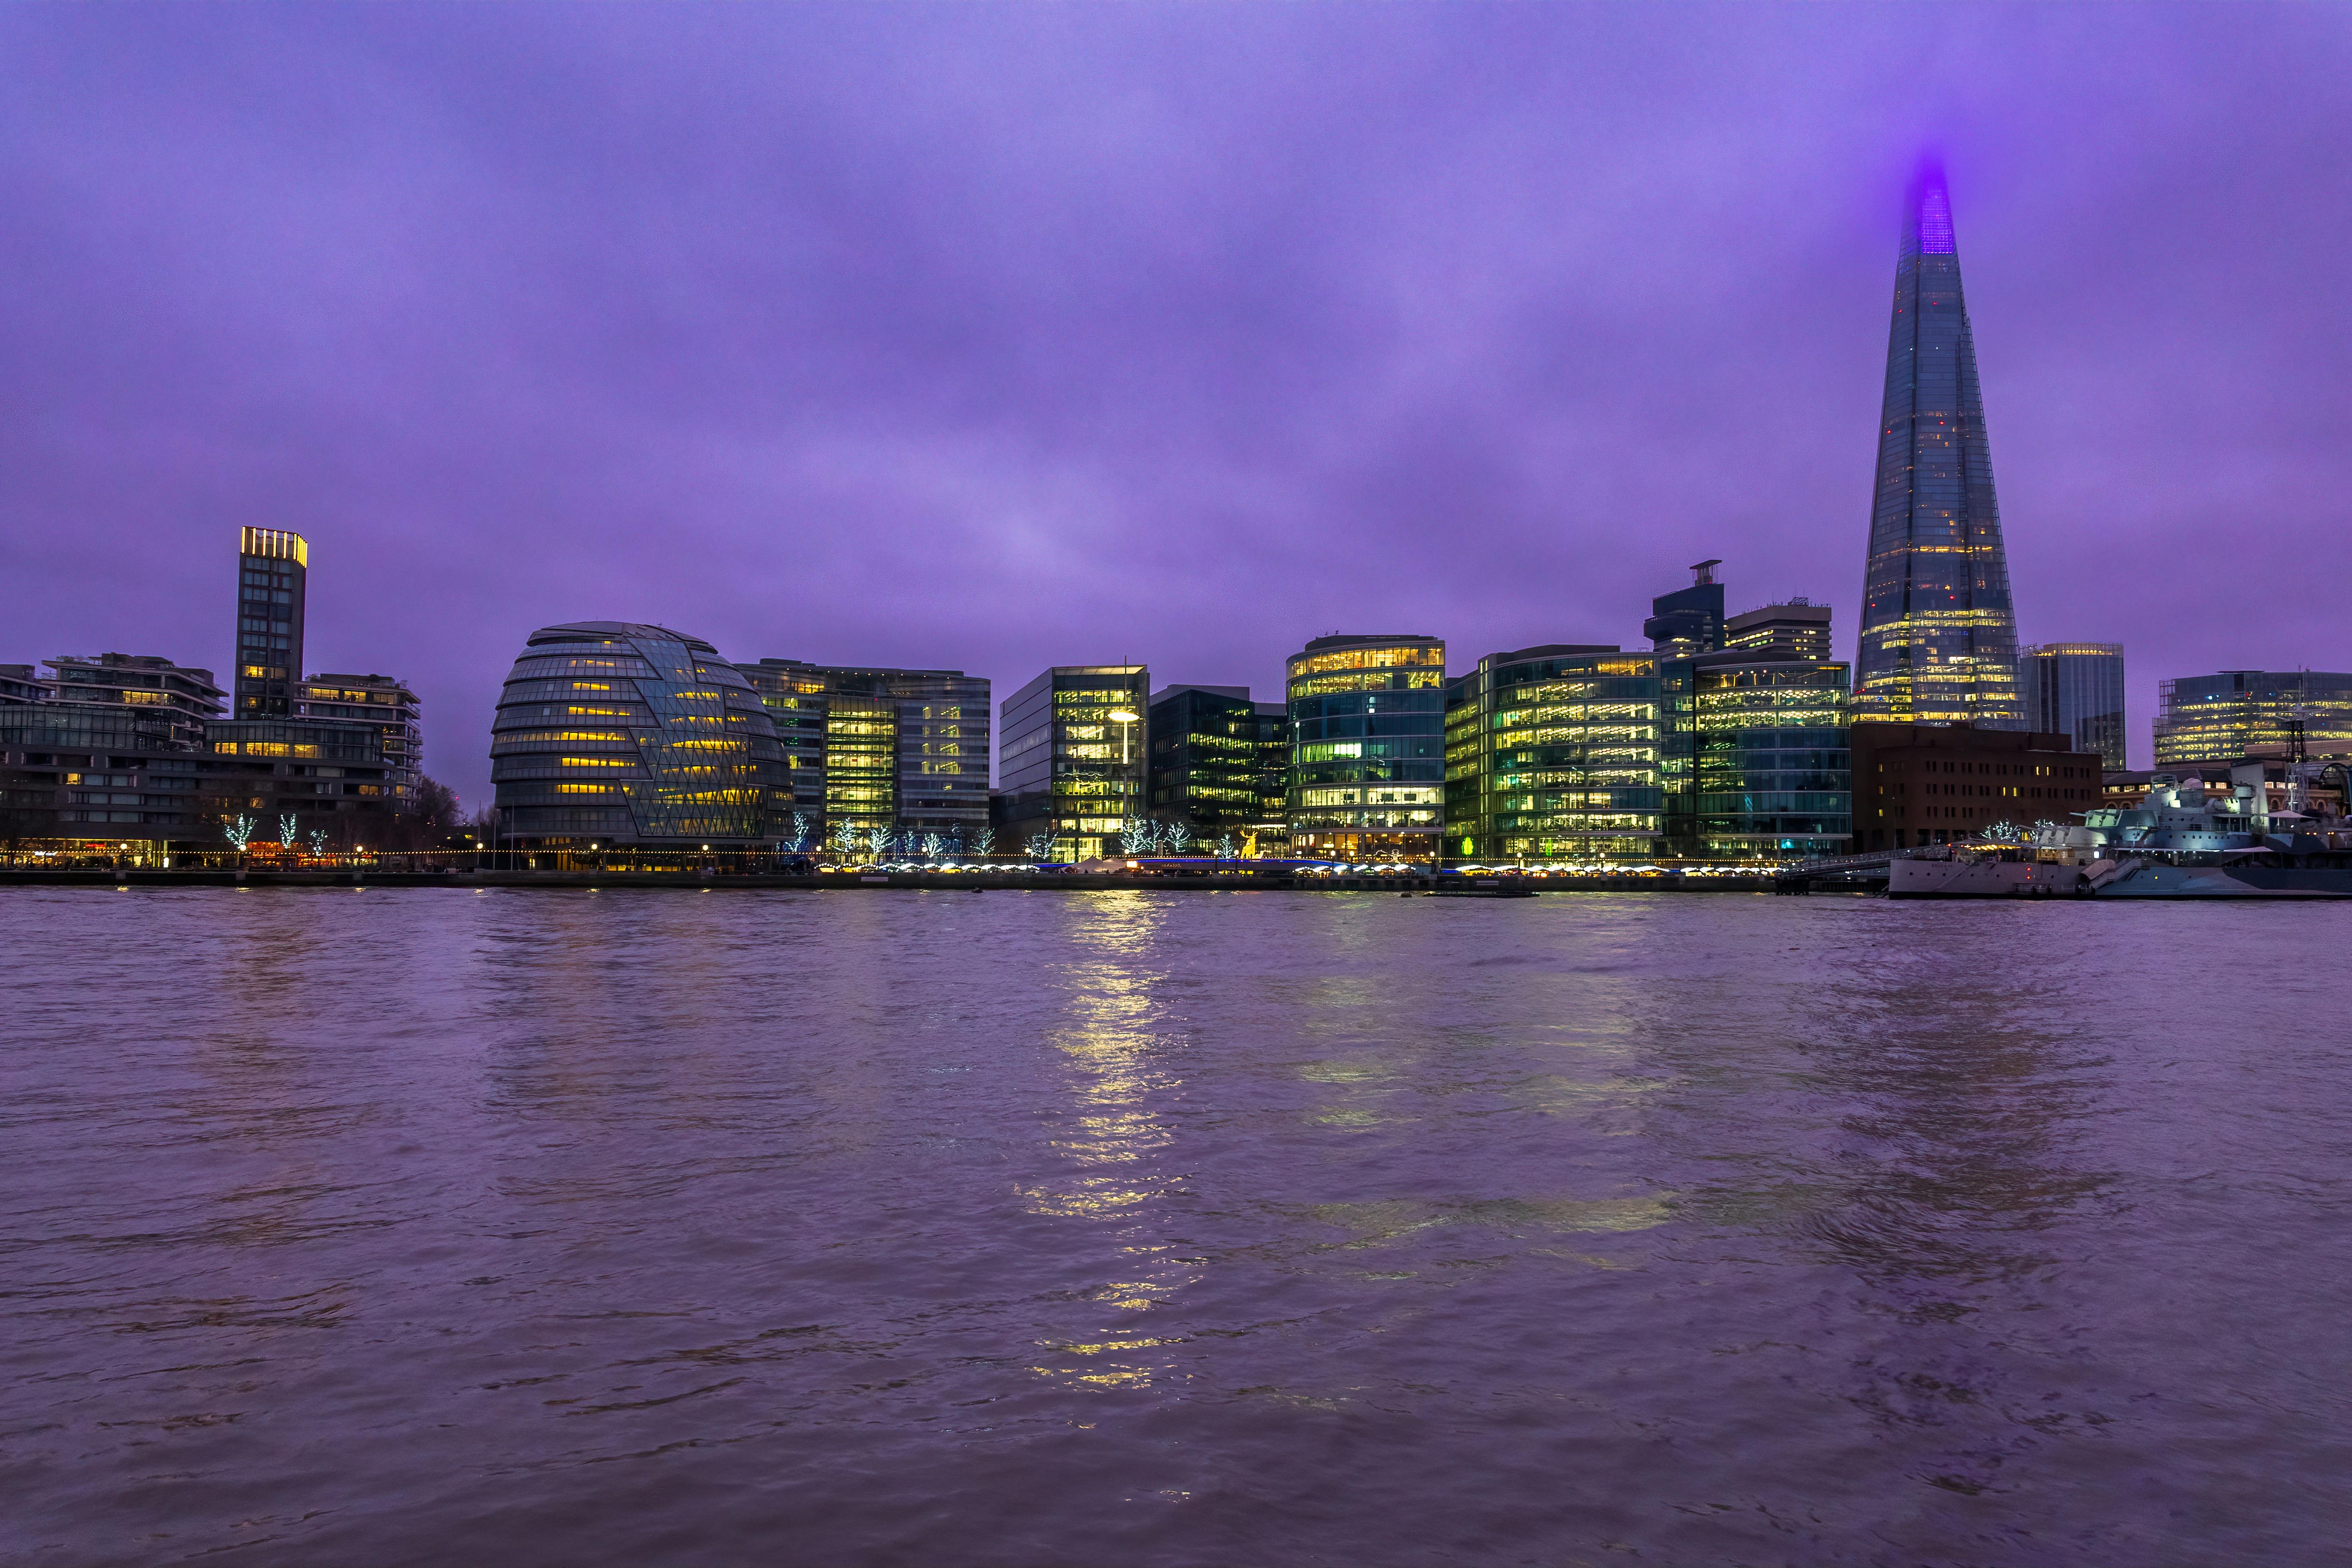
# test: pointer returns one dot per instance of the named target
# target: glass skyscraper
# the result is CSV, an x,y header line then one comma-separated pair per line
x,y
1939,634
2076,689
2241,713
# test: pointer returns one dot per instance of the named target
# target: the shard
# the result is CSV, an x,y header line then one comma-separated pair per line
x,y
1939,635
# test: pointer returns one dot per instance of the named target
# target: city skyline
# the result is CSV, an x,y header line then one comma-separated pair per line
x,y
1004,353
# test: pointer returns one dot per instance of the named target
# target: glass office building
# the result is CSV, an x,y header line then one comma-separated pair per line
x,y
1220,765
1552,753
1794,629
2237,714
1368,748
2076,689
1758,765
1073,758
615,734
1939,634
273,571
904,750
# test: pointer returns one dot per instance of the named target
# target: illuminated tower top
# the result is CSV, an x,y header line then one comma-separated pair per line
x,y
1938,632
272,569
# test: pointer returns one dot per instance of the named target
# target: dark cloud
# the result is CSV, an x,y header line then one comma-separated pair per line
x,y
1001,337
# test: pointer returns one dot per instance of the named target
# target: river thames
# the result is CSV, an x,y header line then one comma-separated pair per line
x,y
387,1227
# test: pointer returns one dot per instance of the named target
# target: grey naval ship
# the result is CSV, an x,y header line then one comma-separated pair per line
x,y
2182,841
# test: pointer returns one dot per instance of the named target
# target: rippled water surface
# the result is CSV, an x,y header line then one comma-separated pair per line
x,y
571,1227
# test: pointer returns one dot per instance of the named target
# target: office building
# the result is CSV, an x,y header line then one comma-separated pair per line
x,y
2236,714
2077,689
613,733
1220,764
1917,784
1794,629
1073,758
1939,640
1368,748
298,775
1688,620
386,705
901,750
1551,752
273,575
183,698
1755,762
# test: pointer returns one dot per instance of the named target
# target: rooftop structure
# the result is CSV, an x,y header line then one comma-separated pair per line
x,y
181,697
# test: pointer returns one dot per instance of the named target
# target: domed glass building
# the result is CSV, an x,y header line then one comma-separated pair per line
x,y
613,733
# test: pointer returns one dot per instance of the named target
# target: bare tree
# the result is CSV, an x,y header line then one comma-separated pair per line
x,y
1180,837
1040,847
983,842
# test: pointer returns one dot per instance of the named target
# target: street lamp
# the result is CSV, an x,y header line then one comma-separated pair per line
x,y
1122,717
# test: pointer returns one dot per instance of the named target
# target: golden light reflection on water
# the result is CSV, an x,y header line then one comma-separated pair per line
x,y
1120,1057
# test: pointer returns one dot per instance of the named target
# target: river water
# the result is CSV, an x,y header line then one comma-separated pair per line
x,y
566,1227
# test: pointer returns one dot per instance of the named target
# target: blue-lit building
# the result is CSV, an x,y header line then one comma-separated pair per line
x,y
1757,748
611,733
1368,748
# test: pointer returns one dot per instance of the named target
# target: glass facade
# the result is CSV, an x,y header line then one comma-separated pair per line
x,y
1072,767
389,707
182,698
1368,748
1939,634
1688,620
610,732
2241,713
1759,764
1221,765
2076,689
1551,753
273,570
904,751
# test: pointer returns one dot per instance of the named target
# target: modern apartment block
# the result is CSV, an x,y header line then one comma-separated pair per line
x,y
1552,752
182,699
2235,714
1796,628
18,685
1939,640
387,705
1916,784
273,570
1073,757
2077,689
1368,748
904,751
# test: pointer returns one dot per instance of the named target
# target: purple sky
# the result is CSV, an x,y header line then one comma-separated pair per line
x,y
1001,337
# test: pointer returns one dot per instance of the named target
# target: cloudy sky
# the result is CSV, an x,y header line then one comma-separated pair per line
x,y
996,337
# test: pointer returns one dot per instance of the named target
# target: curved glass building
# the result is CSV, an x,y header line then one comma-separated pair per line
x,y
613,733
1368,747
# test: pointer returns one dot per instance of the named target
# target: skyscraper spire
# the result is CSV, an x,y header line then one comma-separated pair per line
x,y
1939,634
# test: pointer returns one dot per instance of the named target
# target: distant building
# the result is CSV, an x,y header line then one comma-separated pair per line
x,y
611,732
184,698
18,685
273,575
1219,763
1916,784
2243,714
1938,641
1688,620
1551,752
1798,628
1368,748
2077,689
1073,758
902,750
297,775
387,705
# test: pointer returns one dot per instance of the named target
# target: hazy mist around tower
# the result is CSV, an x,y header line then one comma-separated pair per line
x,y
994,339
